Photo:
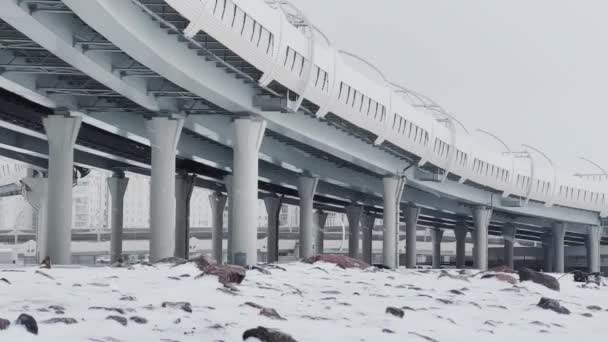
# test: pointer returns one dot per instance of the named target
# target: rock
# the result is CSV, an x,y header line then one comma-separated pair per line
x,y
455,277
46,263
174,278
56,307
387,331
581,277
119,319
430,339
172,260
4,324
444,301
64,320
341,261
5,280
128,298
178,305
457,292
117,310
261,270
138,319
226,273
587,314
253,305
501,269
271,313
267,335
594,308
492,323
44,274
28,322
395,311
526,274
552,304
185,275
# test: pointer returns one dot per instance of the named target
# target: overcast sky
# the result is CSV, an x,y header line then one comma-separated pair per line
x,y
532,72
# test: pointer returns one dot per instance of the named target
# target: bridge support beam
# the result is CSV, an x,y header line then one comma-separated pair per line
x,y
163,134
217,202
353,213
411,227
559,232
481,217
117,185
62,132
320,220
307,187
437,236
184,185
248,136
548,252
367,224
508,234
36,195
228,181
273,209
393,191
593,248
460,232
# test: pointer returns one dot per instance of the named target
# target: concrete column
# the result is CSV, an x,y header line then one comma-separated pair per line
x,y
217,202
437,236
306,190
547,240
184,185
62,132
320,220
36,195
411,227
593,248
559,232
460,232
164,135
117,185
228,182
508,234
393,191
248,136
273,209
353,213
481,218
367,223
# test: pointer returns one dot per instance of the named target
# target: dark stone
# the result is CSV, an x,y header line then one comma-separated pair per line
x,y
44,274
395,311
594,308
4,324
64,320
457,292
178,305
444,301
56,307
46,263
267,335
185,275
581,277
253,305
271,313
587,314
430,339
5,280
119,319
387,331
138,319
28,322
552,304
117,310
526,274
339,260
261,270
174,278
128,298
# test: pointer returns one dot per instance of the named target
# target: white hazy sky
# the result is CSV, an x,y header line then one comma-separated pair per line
x,y
532,72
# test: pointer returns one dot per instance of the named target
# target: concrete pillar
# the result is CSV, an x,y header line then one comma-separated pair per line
x,y
184,185
411,227
164,135
481,218
460,232
117,185
547,240
228,182
367,224
320,220
593,248
273,209
559,232
437,236
393,191
248,136
508,234
35,194
353,213
217,202
62,132
306,190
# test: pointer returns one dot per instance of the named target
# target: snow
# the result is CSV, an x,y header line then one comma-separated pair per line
x,y
350,305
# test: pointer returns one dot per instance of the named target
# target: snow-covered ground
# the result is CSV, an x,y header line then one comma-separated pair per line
x,y
318,302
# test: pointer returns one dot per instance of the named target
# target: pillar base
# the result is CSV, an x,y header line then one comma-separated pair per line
x,y
217,202
117,185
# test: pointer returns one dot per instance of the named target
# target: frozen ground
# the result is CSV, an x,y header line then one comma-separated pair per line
x,y
318,302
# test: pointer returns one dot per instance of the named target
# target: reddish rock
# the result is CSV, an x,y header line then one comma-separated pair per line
x,y
502,277
226,274
501,269
339,260
539,278
4,324
267,335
